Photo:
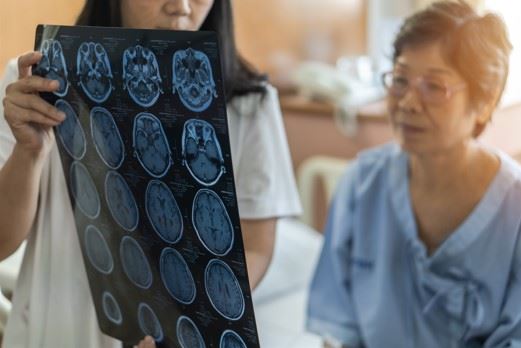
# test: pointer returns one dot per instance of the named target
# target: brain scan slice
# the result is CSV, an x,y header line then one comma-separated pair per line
x,y
121,202
94,71
98,251
135,263
188,334
223,290
163,211
148,322
111,308
84,191
231,339
151,145
106,137
201,152
141,75
212,222
70,131
176,276
193,79
53,66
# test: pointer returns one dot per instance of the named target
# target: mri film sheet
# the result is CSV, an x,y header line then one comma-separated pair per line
x,y
146,158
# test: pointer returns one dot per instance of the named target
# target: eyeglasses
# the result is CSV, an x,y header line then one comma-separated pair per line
x,y
431,91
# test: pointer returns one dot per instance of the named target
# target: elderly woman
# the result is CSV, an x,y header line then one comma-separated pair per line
x,y
422,244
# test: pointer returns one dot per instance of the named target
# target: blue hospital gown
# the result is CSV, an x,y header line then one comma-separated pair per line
x,y
375,285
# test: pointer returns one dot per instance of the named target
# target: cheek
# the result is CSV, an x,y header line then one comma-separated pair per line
x,y
392,108
199,15
459,119
200,10
140,13
453,127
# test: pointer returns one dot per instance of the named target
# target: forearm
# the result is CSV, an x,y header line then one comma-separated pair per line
x,y
257,264
19,186
327,344
259,242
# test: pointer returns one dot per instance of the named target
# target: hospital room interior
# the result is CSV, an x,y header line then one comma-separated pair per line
x,y
326,60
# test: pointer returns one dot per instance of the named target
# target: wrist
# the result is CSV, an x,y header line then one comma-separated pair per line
x,y
28,156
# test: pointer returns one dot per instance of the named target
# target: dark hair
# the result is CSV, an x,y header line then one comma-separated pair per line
x,y
239,77
476,46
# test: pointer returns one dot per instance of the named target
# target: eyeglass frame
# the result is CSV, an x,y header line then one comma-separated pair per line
x,y
449,89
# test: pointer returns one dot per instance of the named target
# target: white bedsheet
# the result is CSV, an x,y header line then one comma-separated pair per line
x,y
280,299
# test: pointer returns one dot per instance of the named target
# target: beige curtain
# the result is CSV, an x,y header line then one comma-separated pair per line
x,y
479,5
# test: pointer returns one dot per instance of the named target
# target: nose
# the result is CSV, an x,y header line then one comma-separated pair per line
x,y
411,100
177,7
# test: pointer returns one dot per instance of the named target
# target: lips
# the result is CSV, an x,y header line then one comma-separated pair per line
x,y
410,129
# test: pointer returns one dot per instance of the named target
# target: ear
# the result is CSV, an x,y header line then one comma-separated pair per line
x,y
483,115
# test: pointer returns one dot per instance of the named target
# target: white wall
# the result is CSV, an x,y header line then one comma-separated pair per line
x,y
510,11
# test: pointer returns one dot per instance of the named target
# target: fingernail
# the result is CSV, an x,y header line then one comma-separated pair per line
x,y
56,83
61,115
149,339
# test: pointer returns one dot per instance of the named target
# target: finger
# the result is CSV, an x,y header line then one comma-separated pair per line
x,y
36,103
26,61
149,342
17,116
36,84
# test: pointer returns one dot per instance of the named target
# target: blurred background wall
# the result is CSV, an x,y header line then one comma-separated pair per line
x,y
18,20
272,34
276,35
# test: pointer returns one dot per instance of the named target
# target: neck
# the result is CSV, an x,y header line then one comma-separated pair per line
x,y
445,169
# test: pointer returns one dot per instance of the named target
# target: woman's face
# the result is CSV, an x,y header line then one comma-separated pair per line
x,y
165,14
424,118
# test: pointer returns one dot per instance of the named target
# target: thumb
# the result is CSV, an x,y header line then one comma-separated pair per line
x,y
26,61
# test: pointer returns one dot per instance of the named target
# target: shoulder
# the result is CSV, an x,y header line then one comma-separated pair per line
x,y
254,103
11,70
374,164
370,173
512,167
377,158
10,73
510,175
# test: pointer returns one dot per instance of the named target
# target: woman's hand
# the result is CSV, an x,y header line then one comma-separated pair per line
x,y
30,117
147,342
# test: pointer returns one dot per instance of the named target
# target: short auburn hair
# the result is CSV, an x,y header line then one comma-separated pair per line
x,y
477,47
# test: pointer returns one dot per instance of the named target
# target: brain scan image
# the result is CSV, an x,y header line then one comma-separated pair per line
x,y
193,79
98,251
163,212
70,132
111,308
212,223
230,339
135,263
148,322
94,72
106,137
52,65
201,152
176,276
84,191
141,75
188,334
151,145
121,202
223,290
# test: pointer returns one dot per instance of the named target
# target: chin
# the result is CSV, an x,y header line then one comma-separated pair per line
x,y
413,147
